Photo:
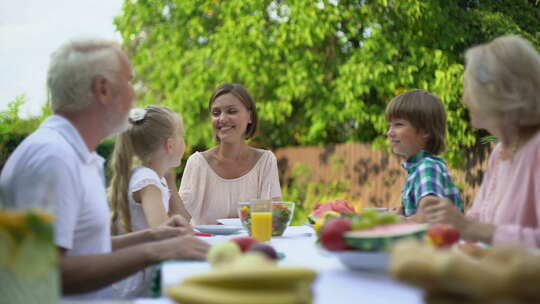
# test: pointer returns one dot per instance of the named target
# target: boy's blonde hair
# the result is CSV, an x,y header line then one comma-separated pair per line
x,y
143,138
425,112
503,78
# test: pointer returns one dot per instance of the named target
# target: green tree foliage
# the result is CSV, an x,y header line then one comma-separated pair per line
x,y
321,71
13,129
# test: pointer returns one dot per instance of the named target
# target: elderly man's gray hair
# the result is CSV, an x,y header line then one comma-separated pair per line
x,y
73,68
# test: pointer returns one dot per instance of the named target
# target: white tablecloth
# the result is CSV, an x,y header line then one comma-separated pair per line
x,y
335,284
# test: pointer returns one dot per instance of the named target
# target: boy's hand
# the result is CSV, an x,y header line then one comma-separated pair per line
x,y
396,210
421,216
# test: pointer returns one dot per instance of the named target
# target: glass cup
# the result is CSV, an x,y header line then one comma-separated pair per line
x,y
261,220
28,254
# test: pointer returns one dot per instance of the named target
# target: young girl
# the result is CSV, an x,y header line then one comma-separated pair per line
x,y
417,132
145,196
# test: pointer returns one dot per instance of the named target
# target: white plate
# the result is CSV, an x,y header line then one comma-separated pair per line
x,y
230,222
218,229
363,260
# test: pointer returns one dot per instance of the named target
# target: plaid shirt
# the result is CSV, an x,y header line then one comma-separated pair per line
x,y
427,174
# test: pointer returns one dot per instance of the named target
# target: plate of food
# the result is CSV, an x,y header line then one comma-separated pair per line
x,y
230,222
218,229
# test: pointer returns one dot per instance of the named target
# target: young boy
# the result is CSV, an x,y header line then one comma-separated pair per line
x,y
417,131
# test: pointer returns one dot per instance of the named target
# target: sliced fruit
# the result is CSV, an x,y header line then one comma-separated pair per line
x,y
382,237
264,276
204,294
370,218
339,206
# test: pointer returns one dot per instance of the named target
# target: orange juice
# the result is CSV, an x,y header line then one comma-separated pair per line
x,y
261,226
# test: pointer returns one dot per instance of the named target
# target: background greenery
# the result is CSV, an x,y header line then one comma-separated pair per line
x,y
321,71
13,129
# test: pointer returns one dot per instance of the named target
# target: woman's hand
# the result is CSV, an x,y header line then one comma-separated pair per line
x,y
174,226
440,210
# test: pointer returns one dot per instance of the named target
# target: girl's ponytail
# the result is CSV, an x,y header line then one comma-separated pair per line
x,y
121,164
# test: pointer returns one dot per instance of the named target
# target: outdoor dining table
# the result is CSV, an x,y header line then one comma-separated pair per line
x,y
335,283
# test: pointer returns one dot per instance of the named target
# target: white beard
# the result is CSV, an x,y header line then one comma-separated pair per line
x,y
114,125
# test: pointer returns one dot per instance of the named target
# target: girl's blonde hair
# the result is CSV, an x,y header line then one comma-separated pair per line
x,y
148,130
503,78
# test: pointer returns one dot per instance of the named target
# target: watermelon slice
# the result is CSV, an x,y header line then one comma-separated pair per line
x,y
380,238
339,206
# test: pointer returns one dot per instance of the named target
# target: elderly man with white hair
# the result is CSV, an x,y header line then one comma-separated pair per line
x,y
91,96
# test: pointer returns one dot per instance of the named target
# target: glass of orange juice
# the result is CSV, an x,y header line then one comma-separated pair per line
x,y
261,220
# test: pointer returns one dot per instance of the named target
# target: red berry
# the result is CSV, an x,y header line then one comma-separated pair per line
x,y
244,242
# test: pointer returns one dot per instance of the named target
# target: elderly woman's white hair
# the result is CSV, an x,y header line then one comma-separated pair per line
x,y
74,67
503,77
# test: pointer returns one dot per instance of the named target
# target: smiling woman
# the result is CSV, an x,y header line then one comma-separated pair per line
x,y
233,111
215,180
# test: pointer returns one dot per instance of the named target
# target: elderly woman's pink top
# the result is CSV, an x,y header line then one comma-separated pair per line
x,y
510,195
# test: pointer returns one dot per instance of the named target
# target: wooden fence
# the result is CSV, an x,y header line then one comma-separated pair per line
x,y
376,177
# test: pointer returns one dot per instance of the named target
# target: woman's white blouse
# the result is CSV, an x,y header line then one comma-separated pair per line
x,y
207,196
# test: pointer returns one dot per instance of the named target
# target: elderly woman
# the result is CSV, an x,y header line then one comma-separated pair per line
x,y
502,93
215,180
